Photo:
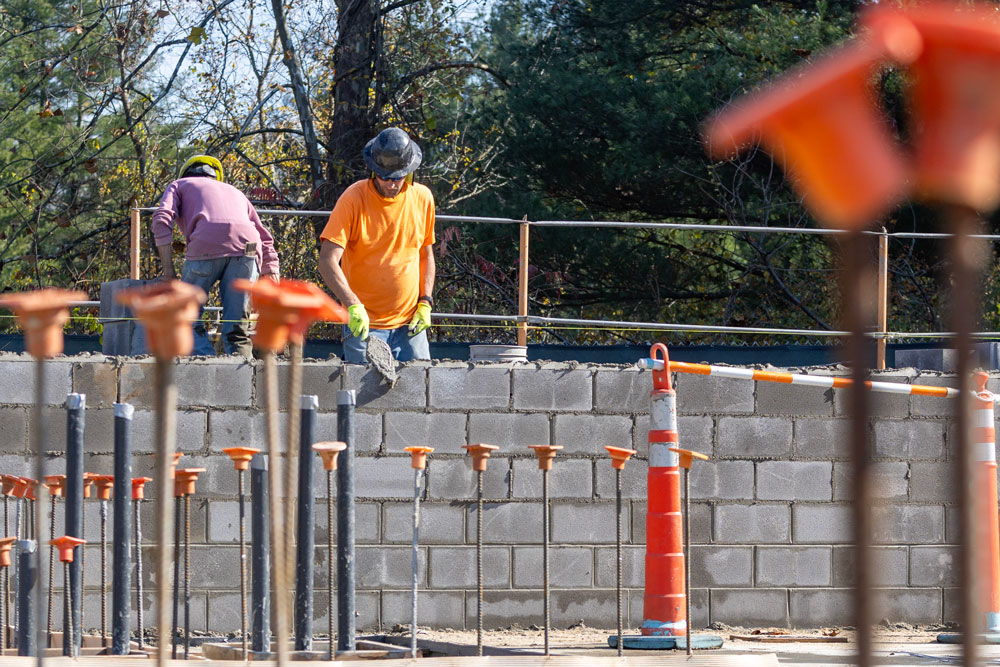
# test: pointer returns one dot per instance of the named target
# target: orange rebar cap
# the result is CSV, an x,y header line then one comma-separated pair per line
x,y
184,481
29,488
105,484
66,544
5,544
619,455
546,454
166,310
241,456
88,481
480,452
822,122
328,451
173,466
418,456
956,115
55,484
20,486
42,314
687,456
138,487
7,484
286,309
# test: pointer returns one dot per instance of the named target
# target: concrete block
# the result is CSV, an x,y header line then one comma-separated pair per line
x,y
191,427
592,607
319,378
367,430
440,523
577,523
723,480
383,477
217,567
137,379
633,479
98,379
502,609
932,359
14,430
635,530
569,478
707,395
909,439
821,523
749,607
916,606
239,428
633,567
934,566
469,388
890,480
505,523
409,392
445,431
553,390
794,480
741,524
696,433
699,609
508,430
588,434
366,528
438,609
569,567
389,567
454,479
455,567
933,406
721,567
216,382
754,437
933,482
16,464
908,524
98,432
622,390
879,405
793,566
366,609
814,608
785,400
224,521
822,438
121,339
224,612
890,568
18,386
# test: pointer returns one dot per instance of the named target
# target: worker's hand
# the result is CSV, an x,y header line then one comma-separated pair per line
x,y
357,321
273,277
421,319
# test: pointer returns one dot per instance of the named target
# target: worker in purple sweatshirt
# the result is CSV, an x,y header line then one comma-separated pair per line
x,y
225,241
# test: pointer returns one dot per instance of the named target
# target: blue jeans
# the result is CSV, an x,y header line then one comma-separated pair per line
x,y
404,346
235,305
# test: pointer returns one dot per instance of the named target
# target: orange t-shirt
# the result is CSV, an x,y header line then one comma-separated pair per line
x,y
382,239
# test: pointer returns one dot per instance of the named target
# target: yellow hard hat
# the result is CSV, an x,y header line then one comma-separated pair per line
x,y
202,159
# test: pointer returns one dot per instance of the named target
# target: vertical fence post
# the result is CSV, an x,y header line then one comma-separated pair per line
x,y
522,285
883,297
133,251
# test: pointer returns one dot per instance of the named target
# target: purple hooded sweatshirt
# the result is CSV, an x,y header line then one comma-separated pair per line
x,y
216,219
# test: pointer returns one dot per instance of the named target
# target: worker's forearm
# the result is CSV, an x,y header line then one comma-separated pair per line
x,y
167,260
333,276
427,272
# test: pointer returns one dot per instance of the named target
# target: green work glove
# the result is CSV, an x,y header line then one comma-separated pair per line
x,y
421,319
358,320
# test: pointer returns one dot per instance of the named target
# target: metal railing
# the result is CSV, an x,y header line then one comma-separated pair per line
x,y
523,319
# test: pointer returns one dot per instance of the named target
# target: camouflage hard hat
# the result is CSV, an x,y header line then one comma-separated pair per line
x,y
392,154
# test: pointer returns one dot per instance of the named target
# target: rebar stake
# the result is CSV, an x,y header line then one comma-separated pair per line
x,y
687,457
619,455
186,478
328,451
105,484
138,495
480,453
66,544
241,457
5,544
7,488
166,310
418,461
175,600
88,481
546,454
55,484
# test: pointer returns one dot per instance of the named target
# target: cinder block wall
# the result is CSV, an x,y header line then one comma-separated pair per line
x,y
770,511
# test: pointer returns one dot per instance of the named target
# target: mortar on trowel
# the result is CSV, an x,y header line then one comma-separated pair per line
x,y
379,355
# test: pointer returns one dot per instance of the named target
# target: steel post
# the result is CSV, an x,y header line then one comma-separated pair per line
x,y
331,520
122,531
479,562
27,582
618,555
260,547
76,405
165,421
187,576
137,515
346,621
244,639
306,540
177,576
415,562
